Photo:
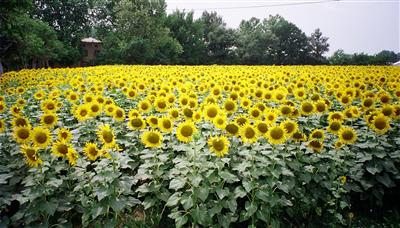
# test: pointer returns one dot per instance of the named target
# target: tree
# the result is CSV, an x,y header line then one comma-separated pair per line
x,y
292,45
189,33
254,42
219,40
319,45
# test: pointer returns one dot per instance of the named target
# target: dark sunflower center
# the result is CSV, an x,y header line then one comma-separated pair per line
x,y
107,136
49,119
249,133
307,107
380,123
262,127
232,128
23,134
136,122
212,112
348,135
187,131
62,149
277,133
335,126
153,138
31,154
218,145
41,137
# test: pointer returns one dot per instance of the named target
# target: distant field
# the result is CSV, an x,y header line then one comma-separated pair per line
x,y
197,145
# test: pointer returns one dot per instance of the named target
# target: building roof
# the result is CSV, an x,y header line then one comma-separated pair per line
x,y
90,40
396,63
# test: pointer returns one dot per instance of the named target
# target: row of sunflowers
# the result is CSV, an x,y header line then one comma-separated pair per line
x,y
87,115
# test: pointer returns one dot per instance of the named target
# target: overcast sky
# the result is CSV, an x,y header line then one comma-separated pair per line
x,y
352,25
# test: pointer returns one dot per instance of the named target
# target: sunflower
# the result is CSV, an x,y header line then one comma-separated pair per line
x,y
367,102
2,107
152,139
95,108
285,110
271,115
152,121
161,104
174,113
73,97
31,155
248,133
219,145
197,116
131,93
2,126
72,156
23,134
232,128
255,113
262,127
133,113
347,135
290,126
388,110
119,114
185,131
335,116
165,124
299,136
49,119
220,121
211,111
41,137
49,105
106,135
92,151
321,106
380,124
334,126
109,109
245,103
307,107
82,112
39,95
21,102
16,110
20,121
64,134
61,148
277,134
144,106
187,112
316,145
317,134
230,106
136,123
338,144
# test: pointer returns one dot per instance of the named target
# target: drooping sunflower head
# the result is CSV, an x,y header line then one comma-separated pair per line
x,y
290,127
317,134
31,155
49,119
64,134
299,136
185,131
248,133
219,145
347,135
152,139
316,145
232,128
106,135
277,134
41,137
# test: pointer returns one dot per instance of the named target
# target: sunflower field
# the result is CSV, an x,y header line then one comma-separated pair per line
x,y
212,146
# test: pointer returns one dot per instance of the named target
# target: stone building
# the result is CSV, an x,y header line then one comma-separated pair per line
x,y
91,47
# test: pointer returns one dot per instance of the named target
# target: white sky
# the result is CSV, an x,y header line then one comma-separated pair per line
x,y
352,25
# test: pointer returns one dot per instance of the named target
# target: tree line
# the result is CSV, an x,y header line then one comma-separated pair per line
x,y
43,33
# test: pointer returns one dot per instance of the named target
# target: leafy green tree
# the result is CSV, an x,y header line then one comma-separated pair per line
x,y
319,45
189,33
254,42
219,40
292,45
